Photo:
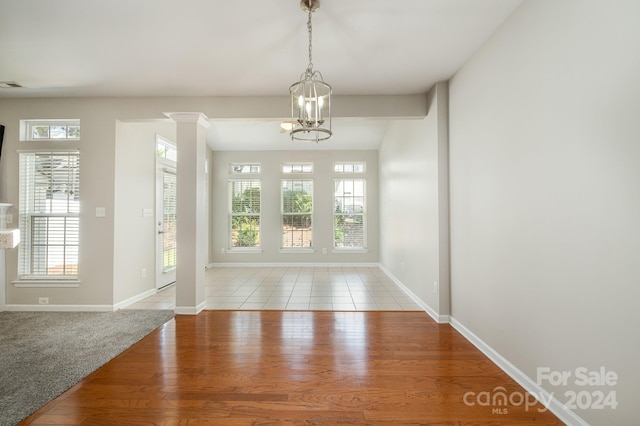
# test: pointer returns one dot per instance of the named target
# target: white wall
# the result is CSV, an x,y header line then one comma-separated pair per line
x,y
271,163
96,190
135,188
412,215
545,204
98,117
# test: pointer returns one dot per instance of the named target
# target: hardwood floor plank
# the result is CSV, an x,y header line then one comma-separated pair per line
x,y
294,368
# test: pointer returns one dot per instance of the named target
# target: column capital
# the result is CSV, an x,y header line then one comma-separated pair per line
x,y
189,117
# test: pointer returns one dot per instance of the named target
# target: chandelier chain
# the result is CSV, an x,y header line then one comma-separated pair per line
x,y
310,68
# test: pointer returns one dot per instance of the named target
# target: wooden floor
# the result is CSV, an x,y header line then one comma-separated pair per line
x,y
284,367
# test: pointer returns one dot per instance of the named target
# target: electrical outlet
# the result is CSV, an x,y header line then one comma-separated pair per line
x,y
436,288
43,300
324,250
144,273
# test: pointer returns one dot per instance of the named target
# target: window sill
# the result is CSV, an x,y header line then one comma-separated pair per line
x,y
297,250
46,283
244,250
350,250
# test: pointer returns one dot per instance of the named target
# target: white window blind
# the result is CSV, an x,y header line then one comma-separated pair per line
x,y
169,220
244,213
49,214
349,214
297,212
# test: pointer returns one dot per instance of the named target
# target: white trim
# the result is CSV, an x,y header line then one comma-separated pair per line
x,y
440,319
59,308
349,250
244,250
46,283
297,250
547,399
352,163
26,127
297,163
230,215
48,150
134,299
364,213
290,265
232,164
189,117
305,177
190,310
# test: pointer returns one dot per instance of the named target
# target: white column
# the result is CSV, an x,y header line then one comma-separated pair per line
x,y
192,211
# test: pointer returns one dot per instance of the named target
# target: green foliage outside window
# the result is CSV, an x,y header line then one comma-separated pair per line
x,y
297,201
245,219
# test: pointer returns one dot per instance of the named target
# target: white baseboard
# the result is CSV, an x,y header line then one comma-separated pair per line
x,y
190,310
546,398
134,299
440,319
290,265
59,308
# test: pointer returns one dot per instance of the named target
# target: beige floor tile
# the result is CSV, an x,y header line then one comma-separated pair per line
x,y
293,288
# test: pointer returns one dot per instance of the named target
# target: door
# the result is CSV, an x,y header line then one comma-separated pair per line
x,y
166,226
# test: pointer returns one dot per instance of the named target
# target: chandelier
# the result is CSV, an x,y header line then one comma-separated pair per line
x,y
311,96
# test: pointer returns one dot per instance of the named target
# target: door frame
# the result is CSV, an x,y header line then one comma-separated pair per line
x,y
163,165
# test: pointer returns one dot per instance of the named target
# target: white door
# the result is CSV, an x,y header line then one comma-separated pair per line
x,y
166,225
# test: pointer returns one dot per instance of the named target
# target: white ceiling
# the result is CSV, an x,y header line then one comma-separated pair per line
x,y
238,48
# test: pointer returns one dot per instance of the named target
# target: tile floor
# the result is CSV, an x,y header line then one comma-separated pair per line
x,y
294,288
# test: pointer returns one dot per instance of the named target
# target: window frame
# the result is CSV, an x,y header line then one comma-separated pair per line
x,y
168,146
352,164
230,191
293,249
26,275
234,171
308,165
27,128
363,214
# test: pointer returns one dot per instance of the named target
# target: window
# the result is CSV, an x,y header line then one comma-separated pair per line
x,y
297,209
169,219
357,167
166,150
349,220
244,213
297,168
39,130
49,214
244,168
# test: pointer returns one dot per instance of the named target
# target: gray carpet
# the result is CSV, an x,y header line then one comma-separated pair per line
x,y
42,354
